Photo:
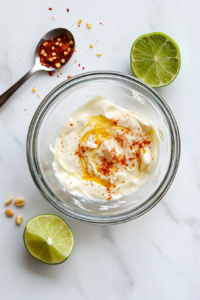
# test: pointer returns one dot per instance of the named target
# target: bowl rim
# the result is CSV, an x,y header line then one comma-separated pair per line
x,y
49,196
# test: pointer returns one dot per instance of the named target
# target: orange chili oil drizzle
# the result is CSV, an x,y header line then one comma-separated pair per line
x,y
62,51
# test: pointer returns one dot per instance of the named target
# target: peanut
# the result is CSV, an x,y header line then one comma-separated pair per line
x,y
19,219
19,202
9,212
9,200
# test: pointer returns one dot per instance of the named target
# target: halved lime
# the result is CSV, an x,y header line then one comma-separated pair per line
x,y
155,59
49,239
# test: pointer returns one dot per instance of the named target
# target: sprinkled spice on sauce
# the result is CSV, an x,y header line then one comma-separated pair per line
x,y
55,52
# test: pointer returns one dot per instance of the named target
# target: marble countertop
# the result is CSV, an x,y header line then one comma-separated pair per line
x,y
156,256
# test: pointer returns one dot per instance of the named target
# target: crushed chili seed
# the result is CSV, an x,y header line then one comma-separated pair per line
x,y
83,68
49,58
49,8
79,65
67,9
69,76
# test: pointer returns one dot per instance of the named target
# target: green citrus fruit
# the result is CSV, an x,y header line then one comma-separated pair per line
x,y
155,59
49,239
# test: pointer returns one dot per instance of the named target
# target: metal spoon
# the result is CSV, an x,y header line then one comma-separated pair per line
x,y
37,67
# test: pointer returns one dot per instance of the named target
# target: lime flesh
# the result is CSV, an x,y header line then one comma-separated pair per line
x,y
49,239
155,59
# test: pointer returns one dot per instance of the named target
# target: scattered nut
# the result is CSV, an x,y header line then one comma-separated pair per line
x,y
52,48
20,201
53,17
99,54
9,200
33,90
91,46
45,43
65,53
50,59
71,42
62,61
58,39
38,97
89,25
42,51
19,219
53,54
60,44
57,65
80,21
9,212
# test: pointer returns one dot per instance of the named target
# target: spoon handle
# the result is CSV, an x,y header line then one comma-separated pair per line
x,y
5,96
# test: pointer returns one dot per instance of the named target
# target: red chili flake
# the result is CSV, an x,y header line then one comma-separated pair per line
x,y
49,8
24,109
78,25
60,73
79,65
69,76
58,76
100,23
67,9
45,51
71,124
50,73
83,68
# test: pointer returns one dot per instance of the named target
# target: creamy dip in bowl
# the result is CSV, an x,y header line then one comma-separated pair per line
x,y
103,147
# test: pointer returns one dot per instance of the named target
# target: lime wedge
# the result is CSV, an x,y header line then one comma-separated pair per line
x,y
49,239
155,59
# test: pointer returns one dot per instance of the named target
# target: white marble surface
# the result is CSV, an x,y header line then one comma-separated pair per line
x,y
154,257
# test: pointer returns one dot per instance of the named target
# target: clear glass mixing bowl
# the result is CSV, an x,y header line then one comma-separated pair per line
x,y
127,92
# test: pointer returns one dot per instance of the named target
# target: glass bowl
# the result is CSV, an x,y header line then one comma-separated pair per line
x,y
125,91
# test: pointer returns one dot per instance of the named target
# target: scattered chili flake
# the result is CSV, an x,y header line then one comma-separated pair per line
x,y
78,25
58,76
49,8
69,76
71,124
79,65
67,9
100,23
83,68
61,52
24,109
50,73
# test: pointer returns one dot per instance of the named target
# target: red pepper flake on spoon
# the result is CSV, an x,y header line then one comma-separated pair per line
x,y
55,52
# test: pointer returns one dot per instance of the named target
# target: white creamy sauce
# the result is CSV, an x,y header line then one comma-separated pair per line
x,y
104,152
